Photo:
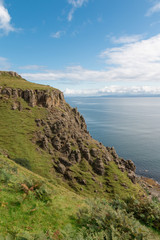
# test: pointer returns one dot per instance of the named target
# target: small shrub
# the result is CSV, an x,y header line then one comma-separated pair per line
x,y
39,190
43,193
101,221
146,211
5,176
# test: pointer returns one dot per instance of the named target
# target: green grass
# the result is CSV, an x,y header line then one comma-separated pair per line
x,y
64,215
123,186
17,130
20,212
6,80
49,211
104,186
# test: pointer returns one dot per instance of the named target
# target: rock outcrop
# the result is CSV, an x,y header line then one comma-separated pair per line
x,y
63,134
44,98
66,134
10,73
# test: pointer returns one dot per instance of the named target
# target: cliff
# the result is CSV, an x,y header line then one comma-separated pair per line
x,y
56,136
56,181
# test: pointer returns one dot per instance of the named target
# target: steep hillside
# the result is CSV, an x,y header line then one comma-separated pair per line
x,y
56,181
31,208
40,131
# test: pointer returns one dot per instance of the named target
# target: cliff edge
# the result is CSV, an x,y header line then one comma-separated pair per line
x,y
41,131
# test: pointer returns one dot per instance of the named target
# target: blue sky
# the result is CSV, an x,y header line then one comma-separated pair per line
x,y
83,47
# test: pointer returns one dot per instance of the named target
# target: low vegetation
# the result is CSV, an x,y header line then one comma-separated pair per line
x,y
7,80
56,182
41,210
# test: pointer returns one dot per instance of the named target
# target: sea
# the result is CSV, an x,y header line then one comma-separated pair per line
x,y
130,124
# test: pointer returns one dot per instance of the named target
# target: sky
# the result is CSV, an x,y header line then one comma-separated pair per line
x,y
83,47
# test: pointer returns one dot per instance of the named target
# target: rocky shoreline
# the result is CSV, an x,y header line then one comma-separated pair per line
x,y
151,186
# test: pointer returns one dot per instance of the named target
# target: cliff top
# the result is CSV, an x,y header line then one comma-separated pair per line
x,y
14,80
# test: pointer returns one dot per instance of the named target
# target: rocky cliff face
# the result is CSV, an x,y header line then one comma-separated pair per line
x,y
63,134
44,98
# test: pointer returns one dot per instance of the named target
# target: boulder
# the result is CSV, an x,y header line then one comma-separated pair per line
x,y
80,180
130,165
56,143
94,152
65,161
86,154
75,156
132,176
98,166
68,175
60,168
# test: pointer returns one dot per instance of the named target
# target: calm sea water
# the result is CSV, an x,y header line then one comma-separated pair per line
x,y
131,125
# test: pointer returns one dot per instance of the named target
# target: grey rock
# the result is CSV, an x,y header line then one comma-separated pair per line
x,y
80,180
132,177
94,152
60,168
56,143
65,162
68,175
98,166
130,165
86,154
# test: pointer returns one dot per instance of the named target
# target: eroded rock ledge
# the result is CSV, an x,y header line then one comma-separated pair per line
x,y
44,98
65,135
11,73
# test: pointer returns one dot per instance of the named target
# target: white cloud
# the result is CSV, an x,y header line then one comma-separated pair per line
x,y
72,74
58,34
115,90
126,39
5,20
154,9
139,61
130,64
75,4
4,64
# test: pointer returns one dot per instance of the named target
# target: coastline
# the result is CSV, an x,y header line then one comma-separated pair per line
x,y
107,122
151,186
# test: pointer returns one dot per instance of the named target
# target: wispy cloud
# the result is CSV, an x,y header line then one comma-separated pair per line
x,y
127,39
5,20
115,90
154,9
75,4
4,64
99,19
72,74
33,67
130,64
58,34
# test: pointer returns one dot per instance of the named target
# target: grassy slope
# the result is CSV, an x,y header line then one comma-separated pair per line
x,y
17,131
6,80
109,186
31,215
